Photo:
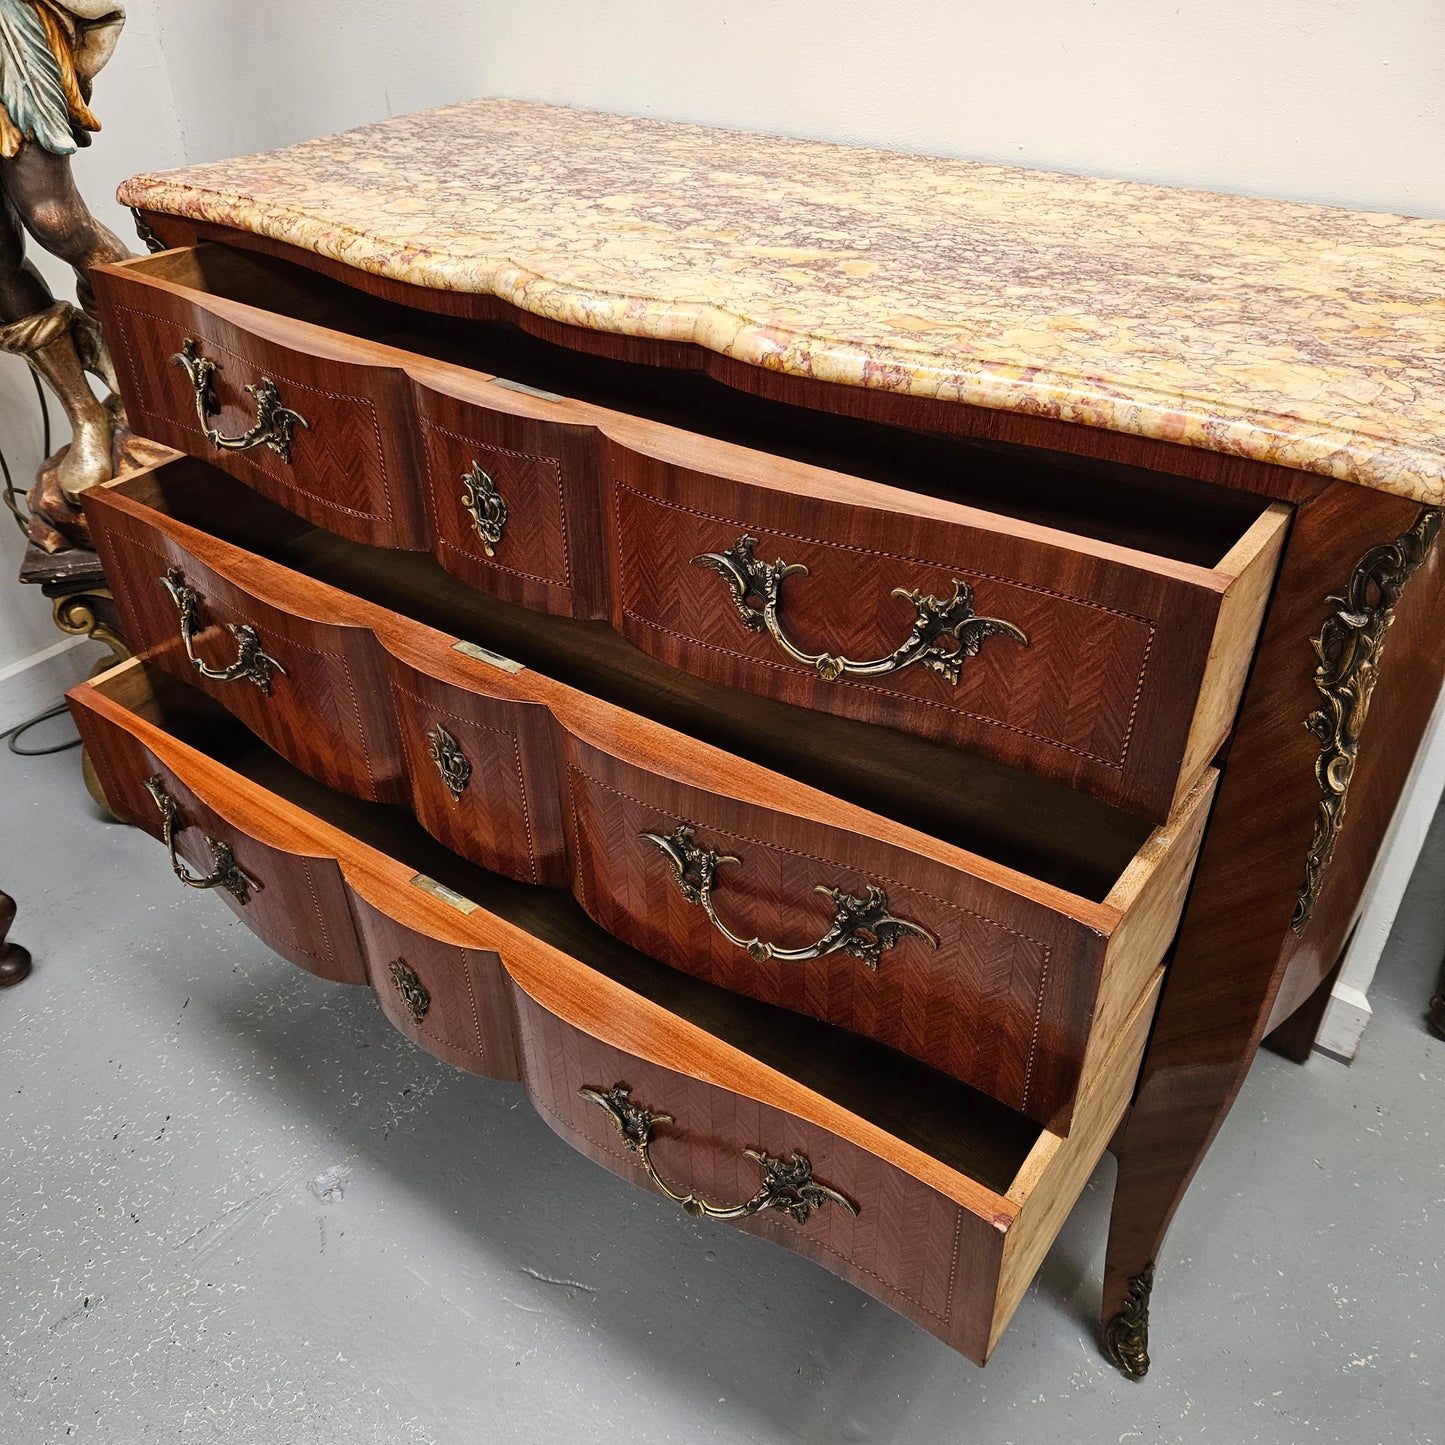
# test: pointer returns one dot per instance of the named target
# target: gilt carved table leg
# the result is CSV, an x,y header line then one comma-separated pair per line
x,y
1240,967
14,960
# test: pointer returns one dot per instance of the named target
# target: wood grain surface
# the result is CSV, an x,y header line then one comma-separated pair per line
x,y
561,786
939,1193
1121,643
297,905
1238,965
351,468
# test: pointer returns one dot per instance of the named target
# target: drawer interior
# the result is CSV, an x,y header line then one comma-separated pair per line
x,y
1014,818
959,1126
1171,517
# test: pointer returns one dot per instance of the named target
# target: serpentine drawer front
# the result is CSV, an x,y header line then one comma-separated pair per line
x,y
1109,667
711,864
941,1207
315,426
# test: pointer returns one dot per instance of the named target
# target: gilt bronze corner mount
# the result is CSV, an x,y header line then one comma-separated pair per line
x,y
1349,647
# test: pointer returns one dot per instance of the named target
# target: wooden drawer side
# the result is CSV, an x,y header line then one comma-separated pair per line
x,y
998,993
325,703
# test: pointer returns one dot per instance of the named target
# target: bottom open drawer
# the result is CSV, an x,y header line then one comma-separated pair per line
x,y
927,1194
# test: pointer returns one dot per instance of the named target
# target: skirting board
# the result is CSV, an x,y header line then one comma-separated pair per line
x,y
39,681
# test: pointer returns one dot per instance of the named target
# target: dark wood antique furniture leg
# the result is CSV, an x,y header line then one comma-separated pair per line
x,y
1294,1039
1243,964
14,960
1437,1006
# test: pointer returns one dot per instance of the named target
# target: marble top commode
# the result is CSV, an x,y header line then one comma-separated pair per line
x,y
1300,335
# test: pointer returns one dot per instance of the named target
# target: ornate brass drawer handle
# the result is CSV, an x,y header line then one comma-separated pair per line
x,y
410,989
451,762
861,926
275,425
787,1185
945,629
251,662
483,503
226,874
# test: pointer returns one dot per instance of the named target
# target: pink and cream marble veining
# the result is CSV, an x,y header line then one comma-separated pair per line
x,y
1302,335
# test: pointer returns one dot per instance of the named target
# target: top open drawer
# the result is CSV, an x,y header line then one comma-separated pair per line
x,y
1095,629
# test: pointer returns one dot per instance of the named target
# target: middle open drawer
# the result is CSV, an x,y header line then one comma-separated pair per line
x,y
991,924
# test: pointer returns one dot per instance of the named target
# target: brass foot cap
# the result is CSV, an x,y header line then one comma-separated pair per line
x,y
1126,1336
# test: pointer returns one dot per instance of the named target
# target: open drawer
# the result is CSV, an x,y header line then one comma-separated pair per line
x,y
1093,628
925,1193
986,922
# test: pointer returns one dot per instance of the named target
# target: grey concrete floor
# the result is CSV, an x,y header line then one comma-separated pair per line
x,y
235,1206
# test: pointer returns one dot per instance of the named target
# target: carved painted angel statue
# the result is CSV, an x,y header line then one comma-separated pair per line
x,y
50,53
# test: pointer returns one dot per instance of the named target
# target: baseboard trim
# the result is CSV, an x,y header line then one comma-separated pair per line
x,y
14,669
36,682
1345,1021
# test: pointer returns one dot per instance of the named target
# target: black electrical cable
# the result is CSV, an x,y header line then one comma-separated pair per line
x,y
13,735
44,412
11,493
11,497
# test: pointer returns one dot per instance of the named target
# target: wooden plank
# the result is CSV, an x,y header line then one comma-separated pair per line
x,y
1253,563
1050,1184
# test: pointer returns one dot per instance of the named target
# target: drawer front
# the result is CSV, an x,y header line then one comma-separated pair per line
x,y
481,774
978,982
504,493
1108,669
948,1234
919,1252
452,1000
314,690
293,902
1080,667
987,974
347,464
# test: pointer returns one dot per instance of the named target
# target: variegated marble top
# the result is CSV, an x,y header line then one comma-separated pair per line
x,y
1303,335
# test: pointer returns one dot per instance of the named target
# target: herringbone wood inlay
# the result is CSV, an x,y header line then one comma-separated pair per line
x,y
561,785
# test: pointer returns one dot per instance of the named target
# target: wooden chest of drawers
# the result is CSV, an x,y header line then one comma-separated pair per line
x,y
794,776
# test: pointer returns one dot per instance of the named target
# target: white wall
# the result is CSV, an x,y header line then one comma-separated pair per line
x,y
1327,100
1334,101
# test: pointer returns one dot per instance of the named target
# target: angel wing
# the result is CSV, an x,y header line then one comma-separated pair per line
x,y
31,87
